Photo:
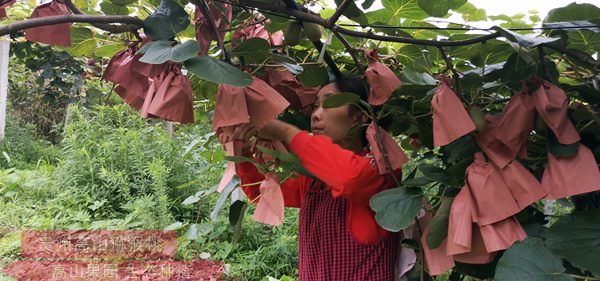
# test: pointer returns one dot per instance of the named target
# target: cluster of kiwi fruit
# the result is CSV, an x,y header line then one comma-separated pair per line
x,y
293,34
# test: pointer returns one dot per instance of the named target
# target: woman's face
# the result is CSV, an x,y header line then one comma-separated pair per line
x,y
332,122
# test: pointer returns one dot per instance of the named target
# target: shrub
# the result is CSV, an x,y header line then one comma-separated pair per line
x,y
23,148
115,163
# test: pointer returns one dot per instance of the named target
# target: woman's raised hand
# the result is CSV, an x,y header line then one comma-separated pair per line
x,y
240,133
274,130
278,131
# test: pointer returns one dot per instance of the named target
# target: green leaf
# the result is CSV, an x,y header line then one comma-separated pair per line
x,y
417,182
314,76
367,4
109,50
283,59
82,4
457,170
439,8
559,149
168,19
122,2
535,18
396,208
236,218
174,226
524,40
435,173
235,212
251,45
217,71
430,34
469,12
516,70
253,50
156,52
530,260
224,195
83,41
461,148
159,52
354,13
573,12
192,232
213,156
408,56
471,83
485,54
410,76
395,10
438,229
182,52
576,238
192,199
240,159
111,9
584,40
282,155
340,99
276,23
298,168
587,94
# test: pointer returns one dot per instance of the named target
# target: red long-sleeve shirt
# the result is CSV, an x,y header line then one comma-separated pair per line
x,y
339,237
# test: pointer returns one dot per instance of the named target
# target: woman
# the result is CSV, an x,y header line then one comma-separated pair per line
x,y
339,238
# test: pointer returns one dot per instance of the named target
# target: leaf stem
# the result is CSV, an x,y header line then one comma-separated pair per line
x,y
338,12
349,48
587,278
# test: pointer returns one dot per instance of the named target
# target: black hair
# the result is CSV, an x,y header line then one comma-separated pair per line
x,y
355,85
359,86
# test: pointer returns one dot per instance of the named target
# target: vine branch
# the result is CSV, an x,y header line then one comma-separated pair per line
x,y
303,16
264,20
382,149
351,50
338,12
450,66
107,27
37,22
541,56
211,22
131,24
576,55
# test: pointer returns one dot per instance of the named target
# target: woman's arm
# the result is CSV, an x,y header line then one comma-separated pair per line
x,y
349,175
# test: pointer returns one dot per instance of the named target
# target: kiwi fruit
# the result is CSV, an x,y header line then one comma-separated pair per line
x,y
293,34
313,31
